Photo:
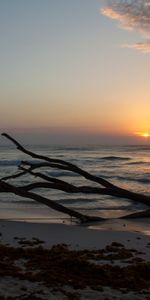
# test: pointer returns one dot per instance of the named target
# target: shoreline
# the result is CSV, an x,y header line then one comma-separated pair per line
x,y
141,225
76,236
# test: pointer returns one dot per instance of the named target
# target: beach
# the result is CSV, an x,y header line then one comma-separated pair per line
x,y
46,254
58,261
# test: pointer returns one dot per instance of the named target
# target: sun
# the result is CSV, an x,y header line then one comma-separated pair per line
x,y
145,134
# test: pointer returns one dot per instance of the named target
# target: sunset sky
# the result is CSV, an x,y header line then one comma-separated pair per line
x,y
75,67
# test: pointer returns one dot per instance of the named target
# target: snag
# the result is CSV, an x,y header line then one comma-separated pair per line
x,y
106,188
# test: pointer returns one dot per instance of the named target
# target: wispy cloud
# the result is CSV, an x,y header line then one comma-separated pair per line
x,y
132,15
142,46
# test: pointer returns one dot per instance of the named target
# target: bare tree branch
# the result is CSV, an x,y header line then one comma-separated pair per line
x,y
61,164
6,187
54,183
115,191
49,178
14,176
70,188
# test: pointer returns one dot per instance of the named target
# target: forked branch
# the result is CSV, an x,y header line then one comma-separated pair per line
x,y
8,188
106,188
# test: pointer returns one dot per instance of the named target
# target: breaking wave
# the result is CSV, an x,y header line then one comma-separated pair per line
x,y
115,158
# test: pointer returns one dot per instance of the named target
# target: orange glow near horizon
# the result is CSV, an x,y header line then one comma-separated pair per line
x,y
144,134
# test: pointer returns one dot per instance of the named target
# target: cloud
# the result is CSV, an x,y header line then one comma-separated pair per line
x,y
132,15
142,46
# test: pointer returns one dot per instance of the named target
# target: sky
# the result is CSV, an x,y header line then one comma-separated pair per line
x,y
75,71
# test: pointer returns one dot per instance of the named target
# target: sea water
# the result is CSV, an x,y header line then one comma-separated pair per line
x,y
126,166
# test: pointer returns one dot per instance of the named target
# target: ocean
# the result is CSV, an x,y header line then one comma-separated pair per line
x,y
126,166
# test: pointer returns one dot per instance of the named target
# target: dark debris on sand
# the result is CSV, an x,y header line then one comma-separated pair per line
x,y
60,266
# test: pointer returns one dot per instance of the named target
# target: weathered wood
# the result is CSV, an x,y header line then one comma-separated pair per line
x,y
58,163
70,188
54,183
9,188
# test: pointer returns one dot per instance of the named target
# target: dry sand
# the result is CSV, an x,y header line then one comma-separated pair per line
x,y
78,238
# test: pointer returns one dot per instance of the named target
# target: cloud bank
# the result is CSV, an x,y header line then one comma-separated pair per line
x,y
132,15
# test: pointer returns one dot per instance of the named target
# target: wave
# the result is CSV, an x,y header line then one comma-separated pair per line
x,y
62,174
136,148
8,163
140,163
14,162
143,180
115,158
121,207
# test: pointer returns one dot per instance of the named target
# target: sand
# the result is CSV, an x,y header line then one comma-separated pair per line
x,y
18,234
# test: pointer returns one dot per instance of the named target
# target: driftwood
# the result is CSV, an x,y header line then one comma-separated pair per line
x,y
106,188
